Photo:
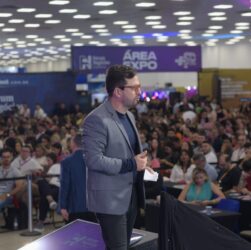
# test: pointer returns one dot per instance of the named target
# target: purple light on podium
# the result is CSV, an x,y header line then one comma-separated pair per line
x,y
78,235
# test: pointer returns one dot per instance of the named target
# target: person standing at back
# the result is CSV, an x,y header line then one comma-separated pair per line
x,y
72,194
114,159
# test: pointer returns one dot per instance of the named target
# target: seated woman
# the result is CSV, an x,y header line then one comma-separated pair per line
x,y
229,175
182,171
245,181
201,190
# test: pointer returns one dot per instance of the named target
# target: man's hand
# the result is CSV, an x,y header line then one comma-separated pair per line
x,y
65,214
141,161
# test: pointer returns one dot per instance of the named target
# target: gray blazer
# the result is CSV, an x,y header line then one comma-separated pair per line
x,y
105,145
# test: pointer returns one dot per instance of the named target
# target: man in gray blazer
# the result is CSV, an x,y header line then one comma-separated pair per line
x,y
114,159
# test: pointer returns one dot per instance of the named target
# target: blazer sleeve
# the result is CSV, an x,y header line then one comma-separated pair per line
x,y
94,141
64,185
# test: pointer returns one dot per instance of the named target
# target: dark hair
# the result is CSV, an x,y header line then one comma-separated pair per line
x,y
247,145
57,145
246,166
7,150
116,77
199,156
197,171
77,139
53,157
227,157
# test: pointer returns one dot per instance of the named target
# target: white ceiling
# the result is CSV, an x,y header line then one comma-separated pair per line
x,y
18,47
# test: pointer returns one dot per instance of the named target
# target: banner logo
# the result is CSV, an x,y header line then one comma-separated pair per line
x,y
188,59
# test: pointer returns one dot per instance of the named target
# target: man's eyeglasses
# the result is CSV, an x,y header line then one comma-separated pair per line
x,y
133,87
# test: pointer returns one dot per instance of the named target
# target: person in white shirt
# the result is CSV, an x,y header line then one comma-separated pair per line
x,y
209,153
39,112
25,164
239,152
48,190
182,171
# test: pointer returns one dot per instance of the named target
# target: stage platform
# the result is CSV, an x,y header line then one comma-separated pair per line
x,y
83,235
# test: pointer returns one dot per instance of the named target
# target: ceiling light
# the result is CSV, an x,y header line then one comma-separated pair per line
x,y
159,26
77,34
162,39
12,39
242,24
105,34
16,21
52,21
93,42
103,3
78,44
129,26
190,43
182,13
81,16
59,2
32,25
87,37
43,16
210,44
138,37
68,11
185,31
186,37
101,30
31,44
153,23
65,39
242,27
223,6
145,4
107,12
153,17
31,36
236,31
2,24
207,35
26,10
216,13
186,18
183,23
8,30
172,44
246,14
157,34
130,30
59,36
5,14
46,42
120,22
71,30
115,39
98,26
218,18
20,42
215,27
211,31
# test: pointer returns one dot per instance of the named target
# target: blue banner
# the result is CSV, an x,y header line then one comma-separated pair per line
x,y
47,89
92,59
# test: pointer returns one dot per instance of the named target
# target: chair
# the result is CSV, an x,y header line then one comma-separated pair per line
x,y
228,205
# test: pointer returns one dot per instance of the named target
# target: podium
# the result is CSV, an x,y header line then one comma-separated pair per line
x,y
84,235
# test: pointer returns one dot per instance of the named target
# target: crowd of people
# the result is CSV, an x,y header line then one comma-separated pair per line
x,y
210,152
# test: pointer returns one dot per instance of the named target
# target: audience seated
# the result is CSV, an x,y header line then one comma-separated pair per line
x,y
48,190
201,190
229,175
182,170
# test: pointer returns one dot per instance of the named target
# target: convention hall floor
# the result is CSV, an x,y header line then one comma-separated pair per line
x,y
12,240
